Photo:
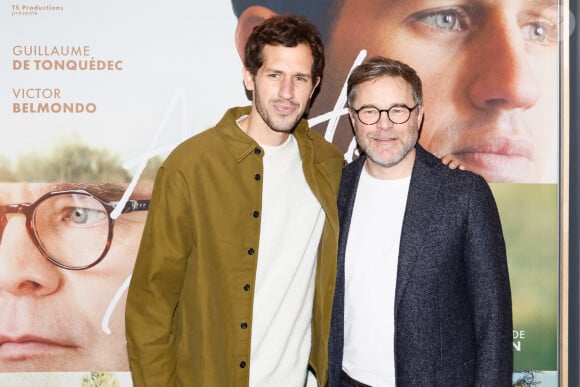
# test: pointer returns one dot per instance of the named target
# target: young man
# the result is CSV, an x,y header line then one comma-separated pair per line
x,y
235,274
490,70
422,293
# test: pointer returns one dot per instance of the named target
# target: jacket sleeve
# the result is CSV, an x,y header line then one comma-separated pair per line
x,y
489,289
155,287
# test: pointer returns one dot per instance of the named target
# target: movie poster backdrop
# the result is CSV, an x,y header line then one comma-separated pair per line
x,y
96,94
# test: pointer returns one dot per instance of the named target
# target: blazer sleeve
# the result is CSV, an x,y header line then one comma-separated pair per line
x,y
489,288
157,280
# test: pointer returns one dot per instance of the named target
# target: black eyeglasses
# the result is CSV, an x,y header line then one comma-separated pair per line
x,y
73,229
398,114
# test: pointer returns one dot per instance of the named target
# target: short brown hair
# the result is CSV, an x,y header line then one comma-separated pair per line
x,y
379,66
287,31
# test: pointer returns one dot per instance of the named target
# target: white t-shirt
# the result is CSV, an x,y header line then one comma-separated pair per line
x,y
370,277
291,227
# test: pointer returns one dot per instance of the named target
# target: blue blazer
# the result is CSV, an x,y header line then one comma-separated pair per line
x,y
453,315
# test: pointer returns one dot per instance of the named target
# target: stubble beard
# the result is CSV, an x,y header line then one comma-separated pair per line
x,y
285,124
406,146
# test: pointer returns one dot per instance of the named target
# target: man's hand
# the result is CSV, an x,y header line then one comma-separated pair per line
x,y
451,162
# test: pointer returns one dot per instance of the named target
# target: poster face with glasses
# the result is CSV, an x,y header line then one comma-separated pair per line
x,y
95,95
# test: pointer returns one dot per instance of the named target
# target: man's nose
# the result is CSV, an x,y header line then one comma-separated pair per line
x,y
384,121
286,90
24,271
503,77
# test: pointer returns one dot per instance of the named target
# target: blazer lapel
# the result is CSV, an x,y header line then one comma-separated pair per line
x,y
417,211
346,198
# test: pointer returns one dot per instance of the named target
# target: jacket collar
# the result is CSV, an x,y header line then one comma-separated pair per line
x,y
241,145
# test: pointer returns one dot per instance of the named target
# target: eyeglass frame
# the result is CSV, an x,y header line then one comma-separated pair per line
x,y
28,210
411,109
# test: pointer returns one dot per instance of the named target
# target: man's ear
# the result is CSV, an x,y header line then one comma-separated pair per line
x,y
248,81
351,116
250,18
315,84
420,117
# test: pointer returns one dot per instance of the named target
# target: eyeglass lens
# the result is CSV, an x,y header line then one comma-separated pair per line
x,y
371,115
73,229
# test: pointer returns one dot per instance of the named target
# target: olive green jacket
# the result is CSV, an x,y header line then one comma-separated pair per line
x,y
193,282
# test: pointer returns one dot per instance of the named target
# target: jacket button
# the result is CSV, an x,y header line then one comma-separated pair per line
x,y
251,251
247,287
257,151
244,325
257,176
243,364
255,214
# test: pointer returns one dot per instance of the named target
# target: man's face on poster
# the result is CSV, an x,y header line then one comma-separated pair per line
x,y
489,72
54,318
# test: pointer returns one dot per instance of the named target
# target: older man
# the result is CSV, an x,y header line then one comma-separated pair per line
x,y
423,294
63,265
